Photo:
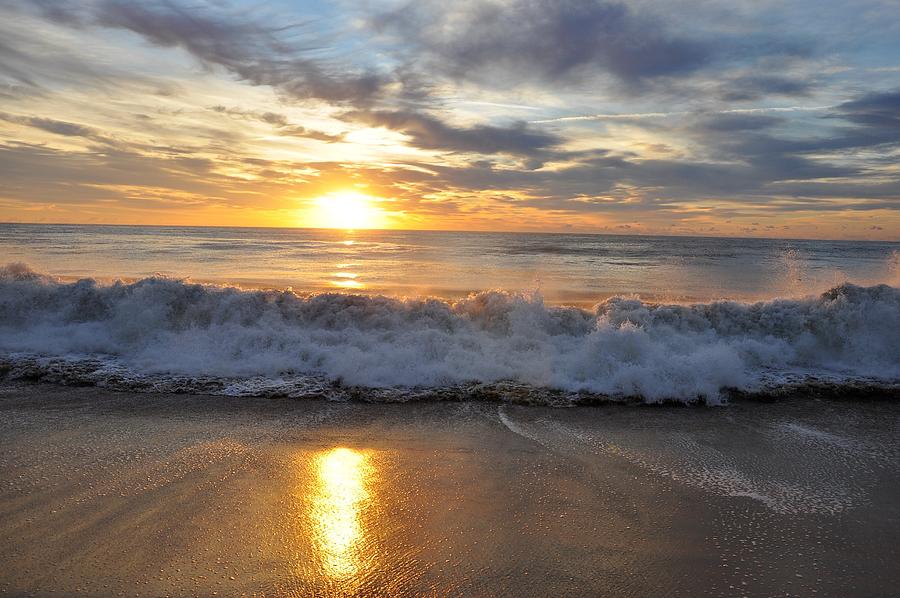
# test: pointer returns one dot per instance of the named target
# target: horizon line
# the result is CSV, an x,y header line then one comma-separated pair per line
x,y
434,230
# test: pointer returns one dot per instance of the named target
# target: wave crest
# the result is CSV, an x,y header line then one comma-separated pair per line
x,y
172,329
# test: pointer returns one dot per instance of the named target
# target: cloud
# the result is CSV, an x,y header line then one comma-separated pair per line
x,y
877,110
50,125
59,11
681,142
548,41
874,121
427,132
636,116
299,131
729,122
46,173
280,122
253,51
568,42
755,87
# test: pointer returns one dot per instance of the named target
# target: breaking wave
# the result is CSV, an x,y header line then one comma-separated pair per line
x,y
172,335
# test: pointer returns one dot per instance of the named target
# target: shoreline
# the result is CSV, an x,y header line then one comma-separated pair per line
x,y
94,373
114,492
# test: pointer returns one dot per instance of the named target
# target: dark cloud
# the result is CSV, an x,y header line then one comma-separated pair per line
x,y
275,119
299,131
427,132
877,110
59,11
50,125
869,121
615,183
755,87
61,127
567,41
738,122
280,122
755,156
272,118
528,39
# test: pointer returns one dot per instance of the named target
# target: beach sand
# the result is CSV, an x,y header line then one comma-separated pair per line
x,y
106,493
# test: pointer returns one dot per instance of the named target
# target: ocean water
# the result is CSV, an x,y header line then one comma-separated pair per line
x,y
565,269
397,315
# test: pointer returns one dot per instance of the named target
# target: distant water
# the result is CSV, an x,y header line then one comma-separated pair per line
x,y
566,269
385,315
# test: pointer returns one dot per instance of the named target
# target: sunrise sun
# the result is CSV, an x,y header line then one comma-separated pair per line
x,y
347,210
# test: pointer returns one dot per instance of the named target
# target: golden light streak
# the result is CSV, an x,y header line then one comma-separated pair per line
x,y
342,476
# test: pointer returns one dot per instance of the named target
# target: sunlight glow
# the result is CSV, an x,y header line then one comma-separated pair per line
x,y
342,493
348,210
345,283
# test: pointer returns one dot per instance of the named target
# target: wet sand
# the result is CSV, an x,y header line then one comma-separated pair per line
x,y
105,493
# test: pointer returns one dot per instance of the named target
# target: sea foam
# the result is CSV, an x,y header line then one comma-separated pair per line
x,y
172,333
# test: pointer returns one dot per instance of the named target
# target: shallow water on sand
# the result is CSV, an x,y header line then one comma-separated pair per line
x,y
102,493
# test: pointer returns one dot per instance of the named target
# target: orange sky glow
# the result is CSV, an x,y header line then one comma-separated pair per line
x,y
112,113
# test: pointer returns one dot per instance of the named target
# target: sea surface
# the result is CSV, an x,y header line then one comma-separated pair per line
x,y
397,315
566,269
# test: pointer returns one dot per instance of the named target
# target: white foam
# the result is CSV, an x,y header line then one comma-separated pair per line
x,y
685,458
625,347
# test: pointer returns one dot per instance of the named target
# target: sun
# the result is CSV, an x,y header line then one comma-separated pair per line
x,y
348,210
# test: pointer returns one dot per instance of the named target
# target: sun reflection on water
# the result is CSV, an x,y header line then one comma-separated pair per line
x,y
346,279
342,491
346,282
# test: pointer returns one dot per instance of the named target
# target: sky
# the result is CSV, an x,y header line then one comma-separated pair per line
x,y
697,117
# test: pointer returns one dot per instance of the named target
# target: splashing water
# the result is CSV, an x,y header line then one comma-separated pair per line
x,y
171,329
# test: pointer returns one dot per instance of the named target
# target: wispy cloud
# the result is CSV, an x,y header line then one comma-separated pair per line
x,y
642,115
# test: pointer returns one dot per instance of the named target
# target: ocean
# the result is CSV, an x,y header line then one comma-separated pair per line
x,y
401,315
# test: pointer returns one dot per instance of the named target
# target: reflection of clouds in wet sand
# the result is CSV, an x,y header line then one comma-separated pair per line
x,y
342,491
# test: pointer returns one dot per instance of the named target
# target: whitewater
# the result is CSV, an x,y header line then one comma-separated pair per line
x,y
166,334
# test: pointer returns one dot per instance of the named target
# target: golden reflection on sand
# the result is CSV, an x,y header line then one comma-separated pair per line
x,y
342,479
